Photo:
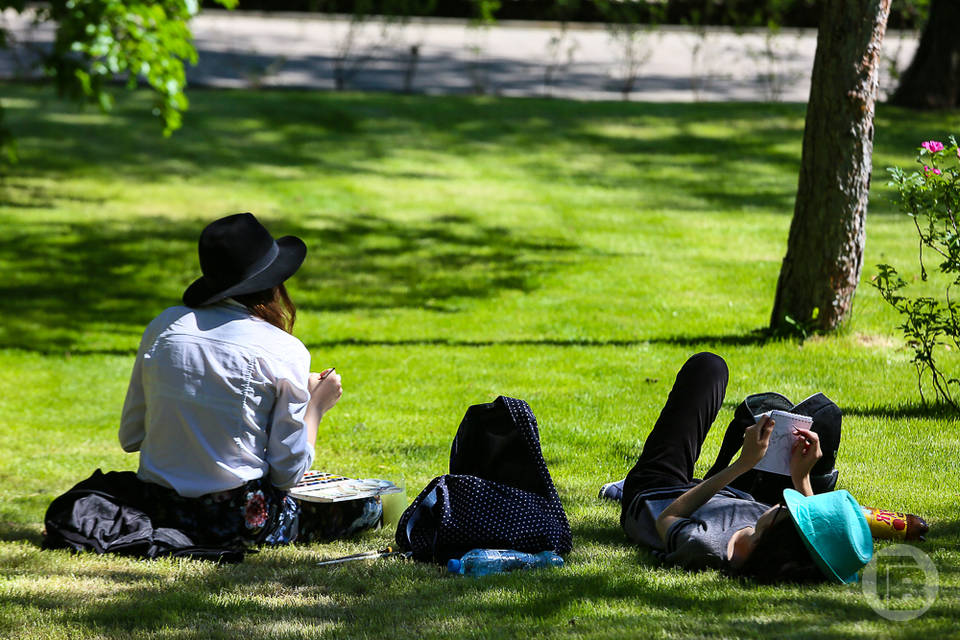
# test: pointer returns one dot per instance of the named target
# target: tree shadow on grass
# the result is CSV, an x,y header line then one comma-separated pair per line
x,y
695,147
387,599
757,337
902,411
340,133
286,590
753,338
948,529
944,535
607,535
20,532
63,283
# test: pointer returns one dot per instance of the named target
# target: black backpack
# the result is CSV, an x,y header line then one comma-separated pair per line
x,y
498,494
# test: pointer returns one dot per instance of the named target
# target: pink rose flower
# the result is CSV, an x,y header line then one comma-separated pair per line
x,y
932,146
935,171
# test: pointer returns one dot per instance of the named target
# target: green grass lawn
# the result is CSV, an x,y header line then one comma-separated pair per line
x,y
570,254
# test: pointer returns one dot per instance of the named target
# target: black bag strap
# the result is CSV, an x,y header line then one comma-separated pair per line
x,y
424,512
419,512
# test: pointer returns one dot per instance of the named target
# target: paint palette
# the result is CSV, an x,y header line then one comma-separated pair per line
x,y
319,486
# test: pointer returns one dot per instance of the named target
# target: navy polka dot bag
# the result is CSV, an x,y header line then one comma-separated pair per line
x,y
498,494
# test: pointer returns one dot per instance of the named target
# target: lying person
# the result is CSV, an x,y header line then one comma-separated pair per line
x,y
222,405
707,524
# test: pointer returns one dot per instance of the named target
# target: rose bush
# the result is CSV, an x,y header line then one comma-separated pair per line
x,y
931,197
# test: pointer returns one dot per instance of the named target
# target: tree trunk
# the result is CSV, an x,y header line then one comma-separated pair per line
x,y
824,256
932,81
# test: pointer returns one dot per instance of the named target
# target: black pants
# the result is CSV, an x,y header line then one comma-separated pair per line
x,y
672,448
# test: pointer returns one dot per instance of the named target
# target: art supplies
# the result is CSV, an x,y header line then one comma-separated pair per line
x,y
389,552
777,458
319,486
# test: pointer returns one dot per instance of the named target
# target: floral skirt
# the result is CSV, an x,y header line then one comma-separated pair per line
x,y
254,514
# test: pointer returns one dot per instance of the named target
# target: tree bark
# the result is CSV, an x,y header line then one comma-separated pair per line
x,y
824,257
932,81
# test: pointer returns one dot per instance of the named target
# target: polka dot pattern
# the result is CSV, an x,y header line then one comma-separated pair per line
x,y
457,513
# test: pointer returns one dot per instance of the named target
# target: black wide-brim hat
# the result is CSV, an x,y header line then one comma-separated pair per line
x,y
237,256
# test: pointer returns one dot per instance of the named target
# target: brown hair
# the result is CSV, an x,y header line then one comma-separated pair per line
x,y
273,305
781,556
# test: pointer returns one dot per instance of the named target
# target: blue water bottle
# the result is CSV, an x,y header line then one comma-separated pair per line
x,y
482,562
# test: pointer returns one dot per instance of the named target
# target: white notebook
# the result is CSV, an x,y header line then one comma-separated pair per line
x,y
777,458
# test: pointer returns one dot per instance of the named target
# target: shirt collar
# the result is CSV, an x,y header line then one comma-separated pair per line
x,y
230,302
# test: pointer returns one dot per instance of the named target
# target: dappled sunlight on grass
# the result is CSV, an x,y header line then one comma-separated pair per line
x,y
364,261
570,254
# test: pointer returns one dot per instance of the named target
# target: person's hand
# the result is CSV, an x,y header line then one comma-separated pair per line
x,y
325,390
755,442
804,453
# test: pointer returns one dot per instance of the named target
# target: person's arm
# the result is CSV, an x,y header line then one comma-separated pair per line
x,y
755,441
133,417
803,456
290,445
325,391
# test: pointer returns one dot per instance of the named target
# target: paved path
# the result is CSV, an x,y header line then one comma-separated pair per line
x,y
243,49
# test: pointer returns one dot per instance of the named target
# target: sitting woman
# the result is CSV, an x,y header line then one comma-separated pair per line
x,y
221,404
708,524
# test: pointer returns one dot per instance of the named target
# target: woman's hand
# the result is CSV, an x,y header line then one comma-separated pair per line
x,y
755,442
803,454
325,390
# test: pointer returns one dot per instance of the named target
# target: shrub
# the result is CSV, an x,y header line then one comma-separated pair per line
x,y
930,195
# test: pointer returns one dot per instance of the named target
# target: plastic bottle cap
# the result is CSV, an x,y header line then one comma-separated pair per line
x,y
453,565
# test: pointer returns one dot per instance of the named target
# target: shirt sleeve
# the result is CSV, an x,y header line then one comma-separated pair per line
x,y
690,545
289,455
133,416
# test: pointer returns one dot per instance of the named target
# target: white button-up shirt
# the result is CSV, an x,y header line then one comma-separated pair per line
x,y
217,398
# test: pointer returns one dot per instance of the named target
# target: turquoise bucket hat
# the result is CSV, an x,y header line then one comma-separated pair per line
x,y
835,531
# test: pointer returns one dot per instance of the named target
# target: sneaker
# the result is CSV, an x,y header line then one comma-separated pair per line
x,y
612,491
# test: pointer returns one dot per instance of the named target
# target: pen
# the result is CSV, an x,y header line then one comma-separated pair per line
x,y
331,370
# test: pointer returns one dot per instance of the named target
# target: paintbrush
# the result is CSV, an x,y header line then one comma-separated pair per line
x,y
367,555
